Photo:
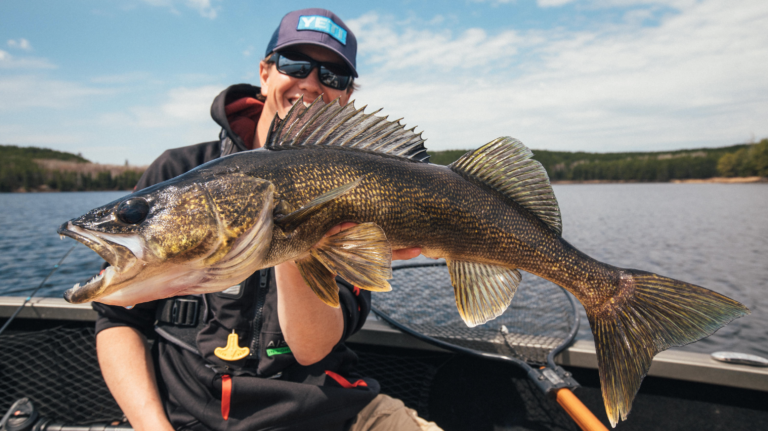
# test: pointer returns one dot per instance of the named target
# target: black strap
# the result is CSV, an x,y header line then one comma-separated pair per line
x,y
180,311
180,319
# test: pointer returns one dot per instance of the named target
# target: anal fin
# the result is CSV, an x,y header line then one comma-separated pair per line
x,y
482,291
361,255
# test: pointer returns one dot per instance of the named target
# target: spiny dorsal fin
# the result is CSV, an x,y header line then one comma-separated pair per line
x,y
333,125
505,164
482,291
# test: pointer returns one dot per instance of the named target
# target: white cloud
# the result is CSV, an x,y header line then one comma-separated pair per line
x,y
142,133
391,48
123,78
181,108
33,92
8,61
697,79
203,7
552,3
21,43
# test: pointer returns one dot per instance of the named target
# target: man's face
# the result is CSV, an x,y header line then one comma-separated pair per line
x,y
282,91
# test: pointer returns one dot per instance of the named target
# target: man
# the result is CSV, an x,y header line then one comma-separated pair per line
x,y
265,354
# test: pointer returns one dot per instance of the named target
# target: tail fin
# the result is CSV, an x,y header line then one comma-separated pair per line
x,y
649,314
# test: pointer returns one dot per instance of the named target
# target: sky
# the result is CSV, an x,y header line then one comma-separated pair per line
x,y
124,80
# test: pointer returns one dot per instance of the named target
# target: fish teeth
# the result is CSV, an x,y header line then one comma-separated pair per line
x,y
61,236
76,286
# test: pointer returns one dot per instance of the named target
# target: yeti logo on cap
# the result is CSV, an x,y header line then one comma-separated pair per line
x,y
322,24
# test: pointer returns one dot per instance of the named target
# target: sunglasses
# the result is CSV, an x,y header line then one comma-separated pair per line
x,y
298,65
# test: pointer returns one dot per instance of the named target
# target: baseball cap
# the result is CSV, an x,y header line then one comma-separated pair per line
x,y
319,27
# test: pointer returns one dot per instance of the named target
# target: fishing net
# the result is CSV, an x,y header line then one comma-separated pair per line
x,y
541,318
58,371
406,378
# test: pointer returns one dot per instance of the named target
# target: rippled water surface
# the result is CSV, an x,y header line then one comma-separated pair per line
x,y
713,235
29,245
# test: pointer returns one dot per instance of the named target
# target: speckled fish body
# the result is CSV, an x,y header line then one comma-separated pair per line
x,y
490,214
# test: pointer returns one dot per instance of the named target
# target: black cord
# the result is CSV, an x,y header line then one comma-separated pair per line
x,y
21,307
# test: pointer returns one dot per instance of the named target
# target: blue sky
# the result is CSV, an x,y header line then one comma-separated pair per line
x,y
127,79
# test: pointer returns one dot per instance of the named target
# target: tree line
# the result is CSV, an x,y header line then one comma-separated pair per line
x,y
31,168
733,161
41,169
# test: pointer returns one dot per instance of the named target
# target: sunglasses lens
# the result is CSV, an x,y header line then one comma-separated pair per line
x,y
333,79
298,66
295,68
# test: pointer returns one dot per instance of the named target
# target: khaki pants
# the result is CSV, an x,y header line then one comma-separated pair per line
x,y
385,413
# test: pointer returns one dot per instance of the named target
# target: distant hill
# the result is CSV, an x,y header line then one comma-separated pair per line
x,y
733,161
30,153
43,169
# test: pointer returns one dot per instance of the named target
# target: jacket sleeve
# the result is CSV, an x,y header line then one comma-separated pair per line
x,y
140,317
356,304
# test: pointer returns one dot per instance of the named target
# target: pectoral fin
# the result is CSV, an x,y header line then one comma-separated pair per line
x,y
361,255
482,291
320,280
293,220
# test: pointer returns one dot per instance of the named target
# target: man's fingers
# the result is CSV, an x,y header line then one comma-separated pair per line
x,y
402,254
406,253
340,227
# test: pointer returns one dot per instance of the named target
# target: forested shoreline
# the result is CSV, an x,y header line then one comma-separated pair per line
x,y
27,169
743,160
32,169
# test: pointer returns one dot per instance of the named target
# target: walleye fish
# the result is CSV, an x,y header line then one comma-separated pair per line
x,y
490,214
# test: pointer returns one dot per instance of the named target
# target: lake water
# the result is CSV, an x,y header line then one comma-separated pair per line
x,y
713,235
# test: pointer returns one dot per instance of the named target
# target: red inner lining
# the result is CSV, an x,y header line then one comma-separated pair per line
x,y
243,116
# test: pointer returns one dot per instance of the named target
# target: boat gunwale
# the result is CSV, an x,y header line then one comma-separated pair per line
x,y
671,364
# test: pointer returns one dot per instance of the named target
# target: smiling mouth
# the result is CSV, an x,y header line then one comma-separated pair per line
x,y
119,257
293,102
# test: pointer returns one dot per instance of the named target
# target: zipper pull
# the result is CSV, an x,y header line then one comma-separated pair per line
x,y
232,351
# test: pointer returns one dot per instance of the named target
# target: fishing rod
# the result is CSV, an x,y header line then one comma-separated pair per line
x,y
29,297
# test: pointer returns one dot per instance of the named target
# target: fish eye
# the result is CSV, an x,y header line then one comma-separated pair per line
x,y
133,211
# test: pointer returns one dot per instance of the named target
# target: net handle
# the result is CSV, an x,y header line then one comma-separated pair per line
x,y
578,411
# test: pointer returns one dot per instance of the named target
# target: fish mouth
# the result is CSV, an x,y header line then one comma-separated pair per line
x,y
120,258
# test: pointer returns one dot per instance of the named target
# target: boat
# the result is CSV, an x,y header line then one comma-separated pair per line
x,y
47,354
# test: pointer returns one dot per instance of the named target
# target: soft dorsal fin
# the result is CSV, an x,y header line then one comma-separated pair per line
x,y
333,125
505,164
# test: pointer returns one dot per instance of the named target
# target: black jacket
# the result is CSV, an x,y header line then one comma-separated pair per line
x,y
270,390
